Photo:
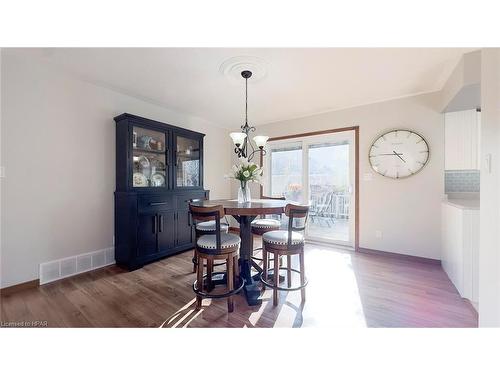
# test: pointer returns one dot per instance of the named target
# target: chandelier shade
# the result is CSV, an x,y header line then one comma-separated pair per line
x,y
238,138
260,140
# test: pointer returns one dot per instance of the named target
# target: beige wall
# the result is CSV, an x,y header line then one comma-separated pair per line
x,y
58,148
407,211
489,254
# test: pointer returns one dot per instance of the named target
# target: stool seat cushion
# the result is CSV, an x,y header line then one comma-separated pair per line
x,y
210,226
266,223
209,241
280,237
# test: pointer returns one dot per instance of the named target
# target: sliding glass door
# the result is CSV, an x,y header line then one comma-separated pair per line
x,y
286,172
318,171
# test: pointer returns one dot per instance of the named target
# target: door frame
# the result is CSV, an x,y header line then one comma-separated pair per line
x,y
355,129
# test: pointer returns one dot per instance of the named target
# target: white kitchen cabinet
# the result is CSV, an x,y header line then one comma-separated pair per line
x,y
460,248
462,140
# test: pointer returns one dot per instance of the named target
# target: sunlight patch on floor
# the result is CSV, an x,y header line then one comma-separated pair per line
x,y
339,304
186,313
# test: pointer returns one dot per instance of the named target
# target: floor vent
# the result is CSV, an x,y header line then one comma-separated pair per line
x,y
65,267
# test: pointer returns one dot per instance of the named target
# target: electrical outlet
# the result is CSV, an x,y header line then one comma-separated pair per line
x,y
378,234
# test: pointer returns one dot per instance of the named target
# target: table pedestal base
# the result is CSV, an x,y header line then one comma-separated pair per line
x,y
251,288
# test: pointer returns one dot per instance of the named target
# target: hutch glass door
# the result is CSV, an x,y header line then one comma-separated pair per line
x,y
149,160
187,162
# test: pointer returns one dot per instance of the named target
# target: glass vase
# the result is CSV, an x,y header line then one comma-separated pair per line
x,y
244,193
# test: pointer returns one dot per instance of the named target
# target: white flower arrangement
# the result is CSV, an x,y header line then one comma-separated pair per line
x,y
246,172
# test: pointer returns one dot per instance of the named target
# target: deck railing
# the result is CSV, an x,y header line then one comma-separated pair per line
x,y
330,205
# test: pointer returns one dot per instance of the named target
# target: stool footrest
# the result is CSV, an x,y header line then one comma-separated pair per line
x,y
201,294
272,286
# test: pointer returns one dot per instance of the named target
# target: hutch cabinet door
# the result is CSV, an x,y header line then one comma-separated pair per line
x,y
165,231
183,228
146,234
188,156
149,158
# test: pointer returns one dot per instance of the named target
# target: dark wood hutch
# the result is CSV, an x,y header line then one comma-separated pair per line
x,y
159,168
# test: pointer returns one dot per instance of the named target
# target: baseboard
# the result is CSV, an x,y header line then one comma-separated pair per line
x,y
65,267
400,256
19,287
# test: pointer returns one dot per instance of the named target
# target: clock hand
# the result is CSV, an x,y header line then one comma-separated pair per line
x,y
390,154
399,156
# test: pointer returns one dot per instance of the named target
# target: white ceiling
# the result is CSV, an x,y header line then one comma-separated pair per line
x,y
299,81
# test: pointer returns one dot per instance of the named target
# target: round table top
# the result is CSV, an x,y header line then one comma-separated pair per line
x,y
253,208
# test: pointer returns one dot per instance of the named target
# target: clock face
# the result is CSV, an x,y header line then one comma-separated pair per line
x,y
399,154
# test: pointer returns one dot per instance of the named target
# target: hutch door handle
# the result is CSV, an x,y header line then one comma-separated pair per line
x,y
155,224
161,223
157,203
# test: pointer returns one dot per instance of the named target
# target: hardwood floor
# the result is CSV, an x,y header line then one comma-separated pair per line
x,y
346,289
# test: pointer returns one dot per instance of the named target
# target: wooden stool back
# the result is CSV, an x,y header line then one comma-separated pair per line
x,y
294,211
215,213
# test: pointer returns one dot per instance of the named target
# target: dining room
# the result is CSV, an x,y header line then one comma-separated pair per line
x,y
306,188
255,216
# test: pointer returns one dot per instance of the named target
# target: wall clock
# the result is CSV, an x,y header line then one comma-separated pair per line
x,y
399,153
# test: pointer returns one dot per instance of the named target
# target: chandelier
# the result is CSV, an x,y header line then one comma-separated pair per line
x,y
241,139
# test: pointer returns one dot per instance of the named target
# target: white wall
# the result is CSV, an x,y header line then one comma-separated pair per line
x,y
463,81
489,255
407,211
58,148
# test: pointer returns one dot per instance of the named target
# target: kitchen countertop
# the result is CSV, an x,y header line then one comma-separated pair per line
x,y
465,204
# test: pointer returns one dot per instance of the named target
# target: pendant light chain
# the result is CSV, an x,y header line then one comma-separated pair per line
x,y
246,101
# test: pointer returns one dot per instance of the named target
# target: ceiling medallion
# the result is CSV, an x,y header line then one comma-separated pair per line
x,y
233,67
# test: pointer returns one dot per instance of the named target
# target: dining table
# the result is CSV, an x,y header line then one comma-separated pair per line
x,y
244,214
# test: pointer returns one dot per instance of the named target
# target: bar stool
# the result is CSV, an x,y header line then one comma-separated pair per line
x,y
264,225
286,242
212,247
206,227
